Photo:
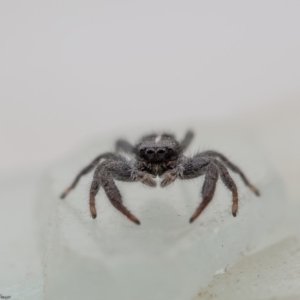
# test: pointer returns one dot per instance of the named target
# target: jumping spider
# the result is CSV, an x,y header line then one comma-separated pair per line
x,y
159,155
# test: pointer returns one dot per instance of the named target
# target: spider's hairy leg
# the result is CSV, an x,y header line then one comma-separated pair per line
x,y
187,140
208,189
115,197
230,184
95,186
124,146
194,167
233,168
118,169
86,170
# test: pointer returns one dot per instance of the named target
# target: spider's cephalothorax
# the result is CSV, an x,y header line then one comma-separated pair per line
x,y
159,155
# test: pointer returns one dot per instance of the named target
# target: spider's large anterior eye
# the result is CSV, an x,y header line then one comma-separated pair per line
x,y
149,151
161,151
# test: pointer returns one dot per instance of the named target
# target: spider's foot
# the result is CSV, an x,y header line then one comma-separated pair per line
x,y
192,219
65,193
234,209
133,219
235,204
195,216
254,190
93,212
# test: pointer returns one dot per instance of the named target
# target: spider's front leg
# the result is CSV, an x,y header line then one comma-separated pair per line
x,y
225,162
104,176
195,167
230,184
86,170
199,165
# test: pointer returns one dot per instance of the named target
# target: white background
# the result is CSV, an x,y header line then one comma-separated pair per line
x,y
72,70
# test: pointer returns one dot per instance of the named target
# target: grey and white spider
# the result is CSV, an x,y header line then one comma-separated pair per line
x,y
159,155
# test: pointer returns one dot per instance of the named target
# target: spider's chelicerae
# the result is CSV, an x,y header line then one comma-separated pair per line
x,y
159,155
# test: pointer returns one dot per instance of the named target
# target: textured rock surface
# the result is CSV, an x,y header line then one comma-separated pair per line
x,y
270,274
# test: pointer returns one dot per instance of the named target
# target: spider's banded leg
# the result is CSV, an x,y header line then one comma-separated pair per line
x,y
187,140
115,197
232,167
230,184
195,167
208,189
86,170
105,174
95,186
125,146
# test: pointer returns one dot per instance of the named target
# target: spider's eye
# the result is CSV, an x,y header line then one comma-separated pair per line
x,y
161,151
142,151
149,151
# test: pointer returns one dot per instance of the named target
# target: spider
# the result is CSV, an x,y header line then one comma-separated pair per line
x,y
159,155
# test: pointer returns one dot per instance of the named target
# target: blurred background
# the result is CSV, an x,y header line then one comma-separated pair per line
x,y
72,71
